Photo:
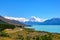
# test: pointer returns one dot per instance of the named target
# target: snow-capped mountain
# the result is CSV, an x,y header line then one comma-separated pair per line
x,y
32,19
36,20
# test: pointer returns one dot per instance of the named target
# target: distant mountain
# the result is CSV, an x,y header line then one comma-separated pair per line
x,y
22,19
53,21
30,21
36,21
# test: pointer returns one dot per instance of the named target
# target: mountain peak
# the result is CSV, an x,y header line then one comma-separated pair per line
x,y
36,19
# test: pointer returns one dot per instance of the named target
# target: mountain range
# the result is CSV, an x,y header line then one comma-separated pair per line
x,y
53,21
32,21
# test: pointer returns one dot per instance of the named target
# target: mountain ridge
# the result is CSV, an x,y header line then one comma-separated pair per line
x,y
53,21
35,21
13,22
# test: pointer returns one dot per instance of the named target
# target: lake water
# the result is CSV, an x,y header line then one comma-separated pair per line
x,y
48,28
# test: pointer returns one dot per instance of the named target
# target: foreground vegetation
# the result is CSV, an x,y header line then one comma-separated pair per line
x,y
10,32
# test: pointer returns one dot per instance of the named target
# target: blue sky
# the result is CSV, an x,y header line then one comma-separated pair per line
x,y
27,8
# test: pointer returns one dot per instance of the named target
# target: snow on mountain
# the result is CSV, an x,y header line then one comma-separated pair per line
x,y
36,19
33,19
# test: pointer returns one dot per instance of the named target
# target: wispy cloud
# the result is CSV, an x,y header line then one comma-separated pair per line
x,y
18,19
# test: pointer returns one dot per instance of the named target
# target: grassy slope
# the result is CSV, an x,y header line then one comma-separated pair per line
x,y
27,34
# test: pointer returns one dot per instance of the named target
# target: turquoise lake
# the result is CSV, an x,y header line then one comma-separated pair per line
x,y
48,28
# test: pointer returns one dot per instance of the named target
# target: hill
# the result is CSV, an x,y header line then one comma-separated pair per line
x,y
27,34
12,22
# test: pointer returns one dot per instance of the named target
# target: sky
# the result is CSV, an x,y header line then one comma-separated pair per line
x,y
28,8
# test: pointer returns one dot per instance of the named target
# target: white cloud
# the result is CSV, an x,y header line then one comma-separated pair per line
x,y
33,18
18,19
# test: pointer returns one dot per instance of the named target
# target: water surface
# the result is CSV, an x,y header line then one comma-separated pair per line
x,y
48,28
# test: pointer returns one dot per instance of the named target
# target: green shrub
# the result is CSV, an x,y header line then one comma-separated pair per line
x,y
3,34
